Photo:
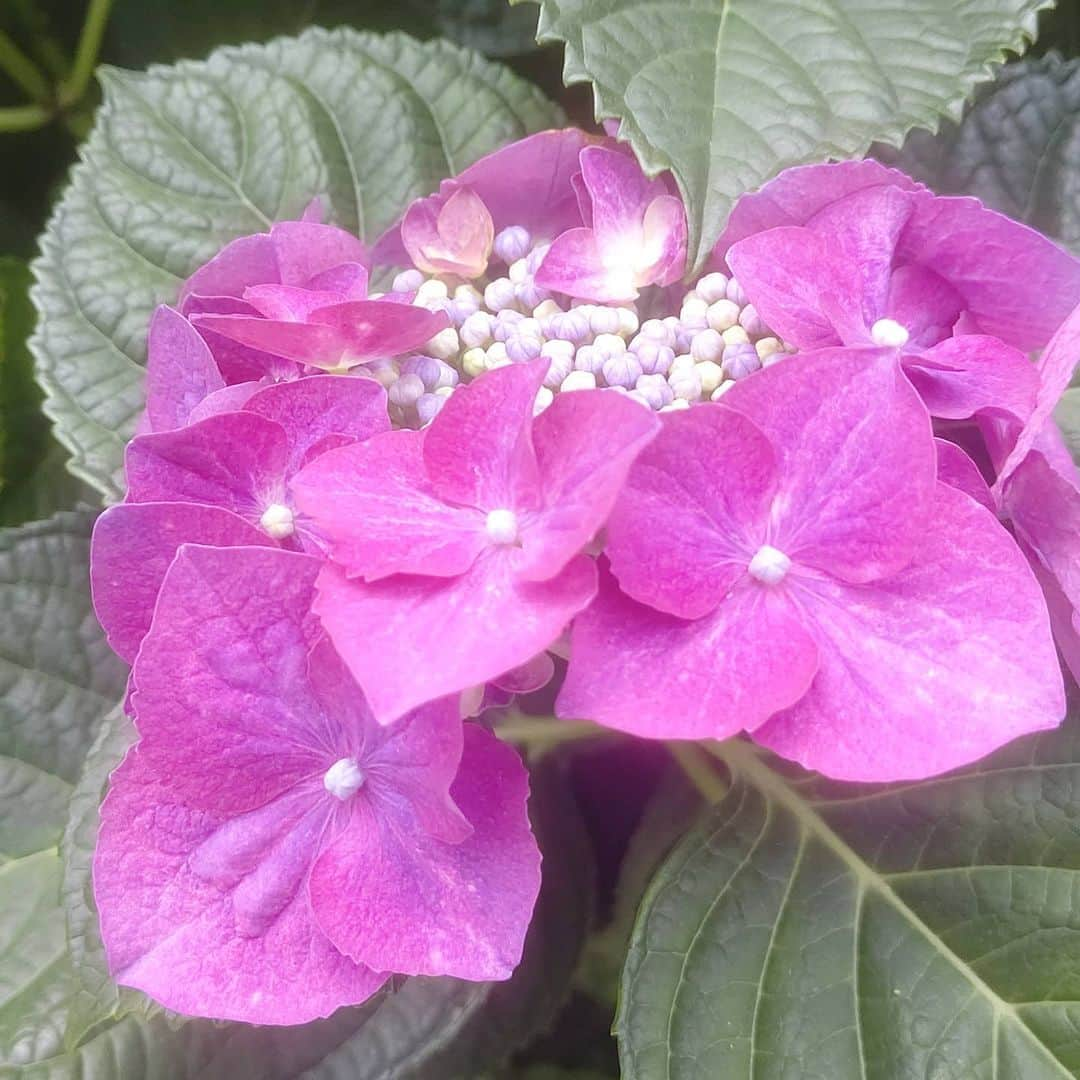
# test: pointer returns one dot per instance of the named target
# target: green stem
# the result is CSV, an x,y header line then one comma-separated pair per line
x,y
699,770
86,53
24,118
521,729
23,71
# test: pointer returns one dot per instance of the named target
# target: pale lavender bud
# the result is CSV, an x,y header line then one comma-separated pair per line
x,y
623,369
428,406
476,330
529,325
684,338
460,310
734,292
536,257
751,322
529,294
405,392
521,348
656,330
561,363
712,287
707,345
500,294
604,320
740,361
570,326
607,345
654,358
512,243
408,281
505,325
588,359
655,390
426,368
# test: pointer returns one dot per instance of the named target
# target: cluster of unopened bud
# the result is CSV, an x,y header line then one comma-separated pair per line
x,y
663,361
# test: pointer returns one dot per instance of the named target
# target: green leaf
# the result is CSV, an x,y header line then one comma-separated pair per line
x,y
23,431
58,675
33,808
185,158
1017,148
1067,416
493,27
726,93
922,929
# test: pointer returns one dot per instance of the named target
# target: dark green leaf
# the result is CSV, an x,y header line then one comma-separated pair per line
x,y
1017,148
726,93
923,929
489,26
184,159
23,430
57,674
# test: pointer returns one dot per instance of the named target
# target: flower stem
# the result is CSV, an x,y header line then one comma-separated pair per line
x,y
698,767
23,118
86,53
23,71
528,730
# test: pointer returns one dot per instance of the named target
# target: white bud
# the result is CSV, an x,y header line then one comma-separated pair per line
x,y
545,310
431,294
444,345
604,320
519,271
544,397
687,386
695,312
735,335
707,345
496,356
609,345
277,521
408,281
712,287
769,565
501,527
578,380
474,362
475,331
889,334
723,314
676,405
628,322
681,365
711,375
721,390
343,779
766,346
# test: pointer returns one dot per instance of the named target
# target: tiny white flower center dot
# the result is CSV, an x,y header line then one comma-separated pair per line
x,y
502,526
769,565
277,521
889,334
343,779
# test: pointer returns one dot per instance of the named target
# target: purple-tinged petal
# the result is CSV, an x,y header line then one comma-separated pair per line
x,y
310,409
1063,617
660,677
180,370
414,905
1017,284
349,281
306,343
304,249
375,506
375,329
956,469
804,289
315,211
246,261
288,303
686,526
449,233
585,444
664,240
798,194
856,459
134,545
932,668
924,304
227,399
187,939
1055,367
436,636
222,702
619,192
234,460
864,227
479,451
574,264
972,374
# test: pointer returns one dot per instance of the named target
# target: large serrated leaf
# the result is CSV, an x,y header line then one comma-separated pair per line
x,y
821,930
726,93
58,675
183,159
1017,148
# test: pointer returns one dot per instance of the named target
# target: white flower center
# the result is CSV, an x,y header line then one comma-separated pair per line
x,y
889,334
277,521
769,565
502,526
343,779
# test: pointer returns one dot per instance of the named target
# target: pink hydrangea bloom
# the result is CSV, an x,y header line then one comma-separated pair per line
x,y
267,851
634,233
823,590
456,551
221,481
959,290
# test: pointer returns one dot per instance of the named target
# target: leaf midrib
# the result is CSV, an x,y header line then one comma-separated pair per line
x,y
742,759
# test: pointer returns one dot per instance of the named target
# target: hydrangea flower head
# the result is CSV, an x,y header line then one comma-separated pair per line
x,y
268,852
789,564
456,551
